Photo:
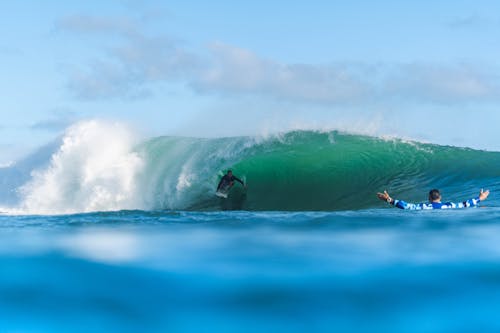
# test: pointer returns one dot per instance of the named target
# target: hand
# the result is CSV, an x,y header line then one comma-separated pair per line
x,y
384,196
483,194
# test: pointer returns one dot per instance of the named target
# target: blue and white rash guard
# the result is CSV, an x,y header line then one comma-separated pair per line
x,y
435,205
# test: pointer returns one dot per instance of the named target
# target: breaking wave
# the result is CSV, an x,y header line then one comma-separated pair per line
x,y
101,166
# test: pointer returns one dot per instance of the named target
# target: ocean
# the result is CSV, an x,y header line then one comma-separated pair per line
x,y
102,233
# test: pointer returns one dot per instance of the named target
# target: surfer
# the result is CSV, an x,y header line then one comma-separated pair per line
x,y
227,181
434,201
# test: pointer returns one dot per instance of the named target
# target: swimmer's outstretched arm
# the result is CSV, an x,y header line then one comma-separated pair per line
x,y
398,203
471,202
468,203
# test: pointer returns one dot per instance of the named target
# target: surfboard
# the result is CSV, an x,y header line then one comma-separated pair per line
x,y
221,194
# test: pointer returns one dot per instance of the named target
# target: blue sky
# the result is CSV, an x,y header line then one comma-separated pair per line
x,y
425,70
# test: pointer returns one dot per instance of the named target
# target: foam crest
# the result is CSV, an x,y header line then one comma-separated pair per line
x,y
95,169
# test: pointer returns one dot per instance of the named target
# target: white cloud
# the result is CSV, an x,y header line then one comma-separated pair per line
x,y
444,84
102,80
126,70
235,70
138,60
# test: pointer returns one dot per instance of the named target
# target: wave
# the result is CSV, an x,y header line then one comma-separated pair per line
x,y
101,167
93,169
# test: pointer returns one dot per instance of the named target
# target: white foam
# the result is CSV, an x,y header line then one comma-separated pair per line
x,y
184,181
95,169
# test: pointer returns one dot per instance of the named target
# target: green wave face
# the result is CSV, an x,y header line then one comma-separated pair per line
x,y
306,170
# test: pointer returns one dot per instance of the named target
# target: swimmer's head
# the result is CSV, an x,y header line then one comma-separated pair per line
x,y
434,195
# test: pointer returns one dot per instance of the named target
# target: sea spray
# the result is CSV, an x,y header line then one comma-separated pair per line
x,y
94,169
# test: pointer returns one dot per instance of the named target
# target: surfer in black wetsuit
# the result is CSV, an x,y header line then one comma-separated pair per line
x,y
227,181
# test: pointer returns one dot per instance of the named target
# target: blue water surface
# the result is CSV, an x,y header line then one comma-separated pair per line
x,y
378,270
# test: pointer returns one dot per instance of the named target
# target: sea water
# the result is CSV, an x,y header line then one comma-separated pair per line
x,y
130,237
378,270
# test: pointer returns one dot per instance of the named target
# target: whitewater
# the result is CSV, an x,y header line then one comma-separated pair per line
x,y
103,230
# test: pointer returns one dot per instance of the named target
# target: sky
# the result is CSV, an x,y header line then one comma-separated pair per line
x,y
423,70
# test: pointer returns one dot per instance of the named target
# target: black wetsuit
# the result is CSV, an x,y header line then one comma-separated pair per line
x,y
227,180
